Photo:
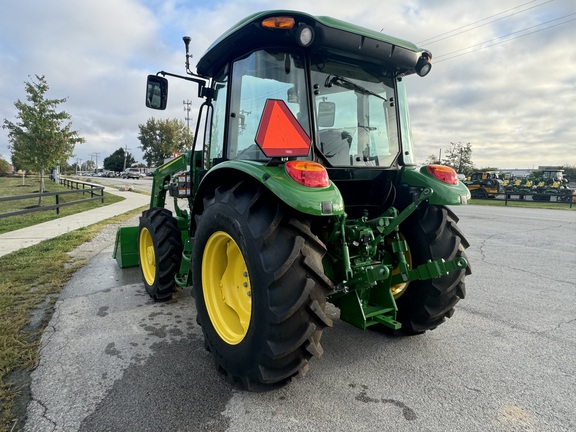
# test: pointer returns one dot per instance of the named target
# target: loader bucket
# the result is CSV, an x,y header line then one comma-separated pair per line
x,y
126,247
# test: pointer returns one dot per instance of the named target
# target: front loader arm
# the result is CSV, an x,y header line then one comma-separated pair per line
x,y
163,175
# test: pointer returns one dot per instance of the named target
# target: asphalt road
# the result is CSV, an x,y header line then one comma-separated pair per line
x,y
112,360
143,184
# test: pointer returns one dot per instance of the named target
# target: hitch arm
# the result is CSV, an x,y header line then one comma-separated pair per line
x,y
430,270
403,215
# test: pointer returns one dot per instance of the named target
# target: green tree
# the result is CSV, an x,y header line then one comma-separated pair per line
x,y
431,160
161,138
488,169
569,172
89,165
459,157
42,137
68,168
4,166
119,160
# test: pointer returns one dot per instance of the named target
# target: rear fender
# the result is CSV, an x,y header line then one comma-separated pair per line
x,y
326,201
443,193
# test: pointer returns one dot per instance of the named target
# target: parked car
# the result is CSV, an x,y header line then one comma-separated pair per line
x,y
132,173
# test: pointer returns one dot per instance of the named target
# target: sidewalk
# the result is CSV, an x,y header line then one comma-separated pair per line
x,y
22,238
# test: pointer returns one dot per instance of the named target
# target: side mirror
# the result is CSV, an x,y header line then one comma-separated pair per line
x,y
156,92
326,114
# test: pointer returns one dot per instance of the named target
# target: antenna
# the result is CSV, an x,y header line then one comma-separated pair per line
x,y
187,40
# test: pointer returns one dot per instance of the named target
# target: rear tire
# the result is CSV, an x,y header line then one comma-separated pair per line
x,y
159,252
259,286
432,234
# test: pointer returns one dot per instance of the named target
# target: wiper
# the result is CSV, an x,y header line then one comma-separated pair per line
x,y
347,84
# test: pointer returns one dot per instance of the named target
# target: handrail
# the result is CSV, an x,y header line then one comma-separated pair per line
x,y
96,193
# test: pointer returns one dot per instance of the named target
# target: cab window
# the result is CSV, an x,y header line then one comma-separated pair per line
x,y
256,78
364,128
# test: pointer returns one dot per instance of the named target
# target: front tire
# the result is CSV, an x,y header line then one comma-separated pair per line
x,y
159,252
431,234
259,286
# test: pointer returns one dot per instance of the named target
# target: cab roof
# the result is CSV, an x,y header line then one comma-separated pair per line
x,y
330,35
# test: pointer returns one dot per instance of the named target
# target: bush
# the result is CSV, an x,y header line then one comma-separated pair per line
x,y
5,168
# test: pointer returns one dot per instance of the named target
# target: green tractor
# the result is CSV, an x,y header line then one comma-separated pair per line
x,y
304,190
552,184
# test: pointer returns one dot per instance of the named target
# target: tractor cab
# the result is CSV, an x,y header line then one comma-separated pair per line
x,y
479,176
551,176
340,83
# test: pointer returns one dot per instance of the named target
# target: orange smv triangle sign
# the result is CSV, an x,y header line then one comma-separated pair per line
x,y
279,133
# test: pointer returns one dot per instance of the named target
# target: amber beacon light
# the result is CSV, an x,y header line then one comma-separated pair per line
x,y
279,22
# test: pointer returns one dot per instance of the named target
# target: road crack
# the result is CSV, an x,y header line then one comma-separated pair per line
x,y
407,412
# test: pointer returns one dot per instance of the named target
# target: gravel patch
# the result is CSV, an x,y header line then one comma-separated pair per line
x,y
101,241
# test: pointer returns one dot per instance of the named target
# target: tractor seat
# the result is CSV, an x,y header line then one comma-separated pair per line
x,y
335,144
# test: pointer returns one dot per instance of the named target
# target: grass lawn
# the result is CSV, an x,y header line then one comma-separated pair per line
x,y
32,279
15,186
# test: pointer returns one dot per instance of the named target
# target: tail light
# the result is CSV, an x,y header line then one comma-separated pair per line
x,y
309,174
443,173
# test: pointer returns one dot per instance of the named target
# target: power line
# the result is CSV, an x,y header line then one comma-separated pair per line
x,y
497,41
96,156
439,37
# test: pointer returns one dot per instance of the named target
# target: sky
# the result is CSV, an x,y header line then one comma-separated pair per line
x,y
503,75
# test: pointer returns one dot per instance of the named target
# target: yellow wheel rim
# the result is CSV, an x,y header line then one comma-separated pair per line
x,y
226,288
147,256
399,289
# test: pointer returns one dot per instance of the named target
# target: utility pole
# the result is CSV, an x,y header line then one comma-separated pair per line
x,y
96,157
125,156
187,108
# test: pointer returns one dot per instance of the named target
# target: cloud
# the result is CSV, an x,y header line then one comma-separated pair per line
x,y
514,100
510,100
90,53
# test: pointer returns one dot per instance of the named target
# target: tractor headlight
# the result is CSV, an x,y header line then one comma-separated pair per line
x,y
423,65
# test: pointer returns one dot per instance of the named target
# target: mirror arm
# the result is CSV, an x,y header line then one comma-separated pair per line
x,y
202,82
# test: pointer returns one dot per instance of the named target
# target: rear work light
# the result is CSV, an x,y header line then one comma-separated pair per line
x,y
443,173
424,64
307,173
